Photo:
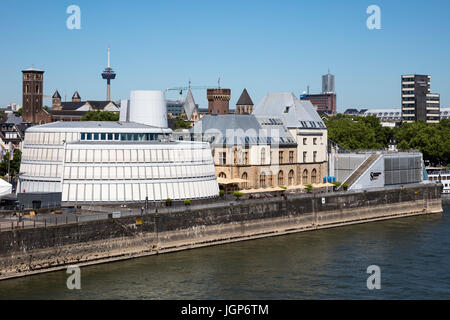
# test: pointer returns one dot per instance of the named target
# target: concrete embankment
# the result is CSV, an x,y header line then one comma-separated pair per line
x,y
30,251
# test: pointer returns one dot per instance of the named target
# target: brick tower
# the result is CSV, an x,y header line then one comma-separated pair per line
x,y
33,83
218,100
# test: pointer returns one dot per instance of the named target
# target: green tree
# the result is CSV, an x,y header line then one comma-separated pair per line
x,y
14,164
100,116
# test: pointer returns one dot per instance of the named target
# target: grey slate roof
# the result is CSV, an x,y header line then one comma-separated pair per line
x,y
76,95
296,113
12,118
56,95
72,105
189,105
240,129
244,99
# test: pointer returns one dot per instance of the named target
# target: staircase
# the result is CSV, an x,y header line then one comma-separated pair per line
x,y
360,170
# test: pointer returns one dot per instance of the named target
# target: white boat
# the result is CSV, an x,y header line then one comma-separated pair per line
x,y
442,175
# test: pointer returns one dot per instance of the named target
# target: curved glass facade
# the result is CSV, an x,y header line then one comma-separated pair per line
x,y
107,170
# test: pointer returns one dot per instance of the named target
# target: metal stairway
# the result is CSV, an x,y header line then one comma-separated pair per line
x,y
351,179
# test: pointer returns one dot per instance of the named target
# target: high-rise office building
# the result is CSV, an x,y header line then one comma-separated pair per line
x,y
328,83
418,103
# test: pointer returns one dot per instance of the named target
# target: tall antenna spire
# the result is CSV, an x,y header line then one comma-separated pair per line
x,y
109,60
218,81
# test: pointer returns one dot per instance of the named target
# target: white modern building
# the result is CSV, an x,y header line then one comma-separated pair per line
x,y
117,161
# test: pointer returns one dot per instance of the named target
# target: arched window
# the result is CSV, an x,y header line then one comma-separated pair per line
x,y
263,156
291,178
262,180
244,177
314,176
37,88
270,178
280,178
305,177
222,175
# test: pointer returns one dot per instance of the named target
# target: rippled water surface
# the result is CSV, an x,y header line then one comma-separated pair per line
x,y
413,254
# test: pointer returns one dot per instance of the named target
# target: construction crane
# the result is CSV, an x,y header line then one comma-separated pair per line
x,y
181,89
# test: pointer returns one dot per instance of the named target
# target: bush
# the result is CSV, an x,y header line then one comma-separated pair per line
x,y
238,194
168,202
345,186
221,193
187,202
283,187
309,187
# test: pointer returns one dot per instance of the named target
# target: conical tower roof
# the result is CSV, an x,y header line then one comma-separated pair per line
x,y
76,95
245,99
189,105
56,95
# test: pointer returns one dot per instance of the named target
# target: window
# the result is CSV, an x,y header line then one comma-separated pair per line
x,y
222,175
291,156
245,177
263,156
305,141
304,156
314,141
280,178
262,180
222,157
291,178
246,158
305,177
270,182
314,176
315,156
280,157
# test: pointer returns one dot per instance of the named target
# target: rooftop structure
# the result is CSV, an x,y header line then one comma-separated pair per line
x,y
244,104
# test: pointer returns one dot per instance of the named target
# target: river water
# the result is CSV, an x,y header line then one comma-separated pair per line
x,y
413,255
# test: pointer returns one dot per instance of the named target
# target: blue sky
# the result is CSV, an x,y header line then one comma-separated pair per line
x,y
264,46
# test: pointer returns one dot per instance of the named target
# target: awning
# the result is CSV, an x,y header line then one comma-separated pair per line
x,y
322,185
225,181
261,190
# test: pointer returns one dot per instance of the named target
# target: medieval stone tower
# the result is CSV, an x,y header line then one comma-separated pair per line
x,y
33,83
218,100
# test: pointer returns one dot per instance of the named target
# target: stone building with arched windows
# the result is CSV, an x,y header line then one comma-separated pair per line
x,y
282,143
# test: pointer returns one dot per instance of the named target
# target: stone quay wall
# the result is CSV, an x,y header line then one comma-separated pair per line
x,y
30,251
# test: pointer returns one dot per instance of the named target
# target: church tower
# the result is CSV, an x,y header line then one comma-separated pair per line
x,y
56,101
32,94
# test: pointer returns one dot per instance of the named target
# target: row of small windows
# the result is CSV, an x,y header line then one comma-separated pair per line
x,y
272,121
97,136
312,124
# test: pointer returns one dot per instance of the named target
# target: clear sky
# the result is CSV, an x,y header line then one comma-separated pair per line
x,y
264,46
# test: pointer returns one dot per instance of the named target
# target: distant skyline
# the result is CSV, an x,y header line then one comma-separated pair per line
x,y
264,46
